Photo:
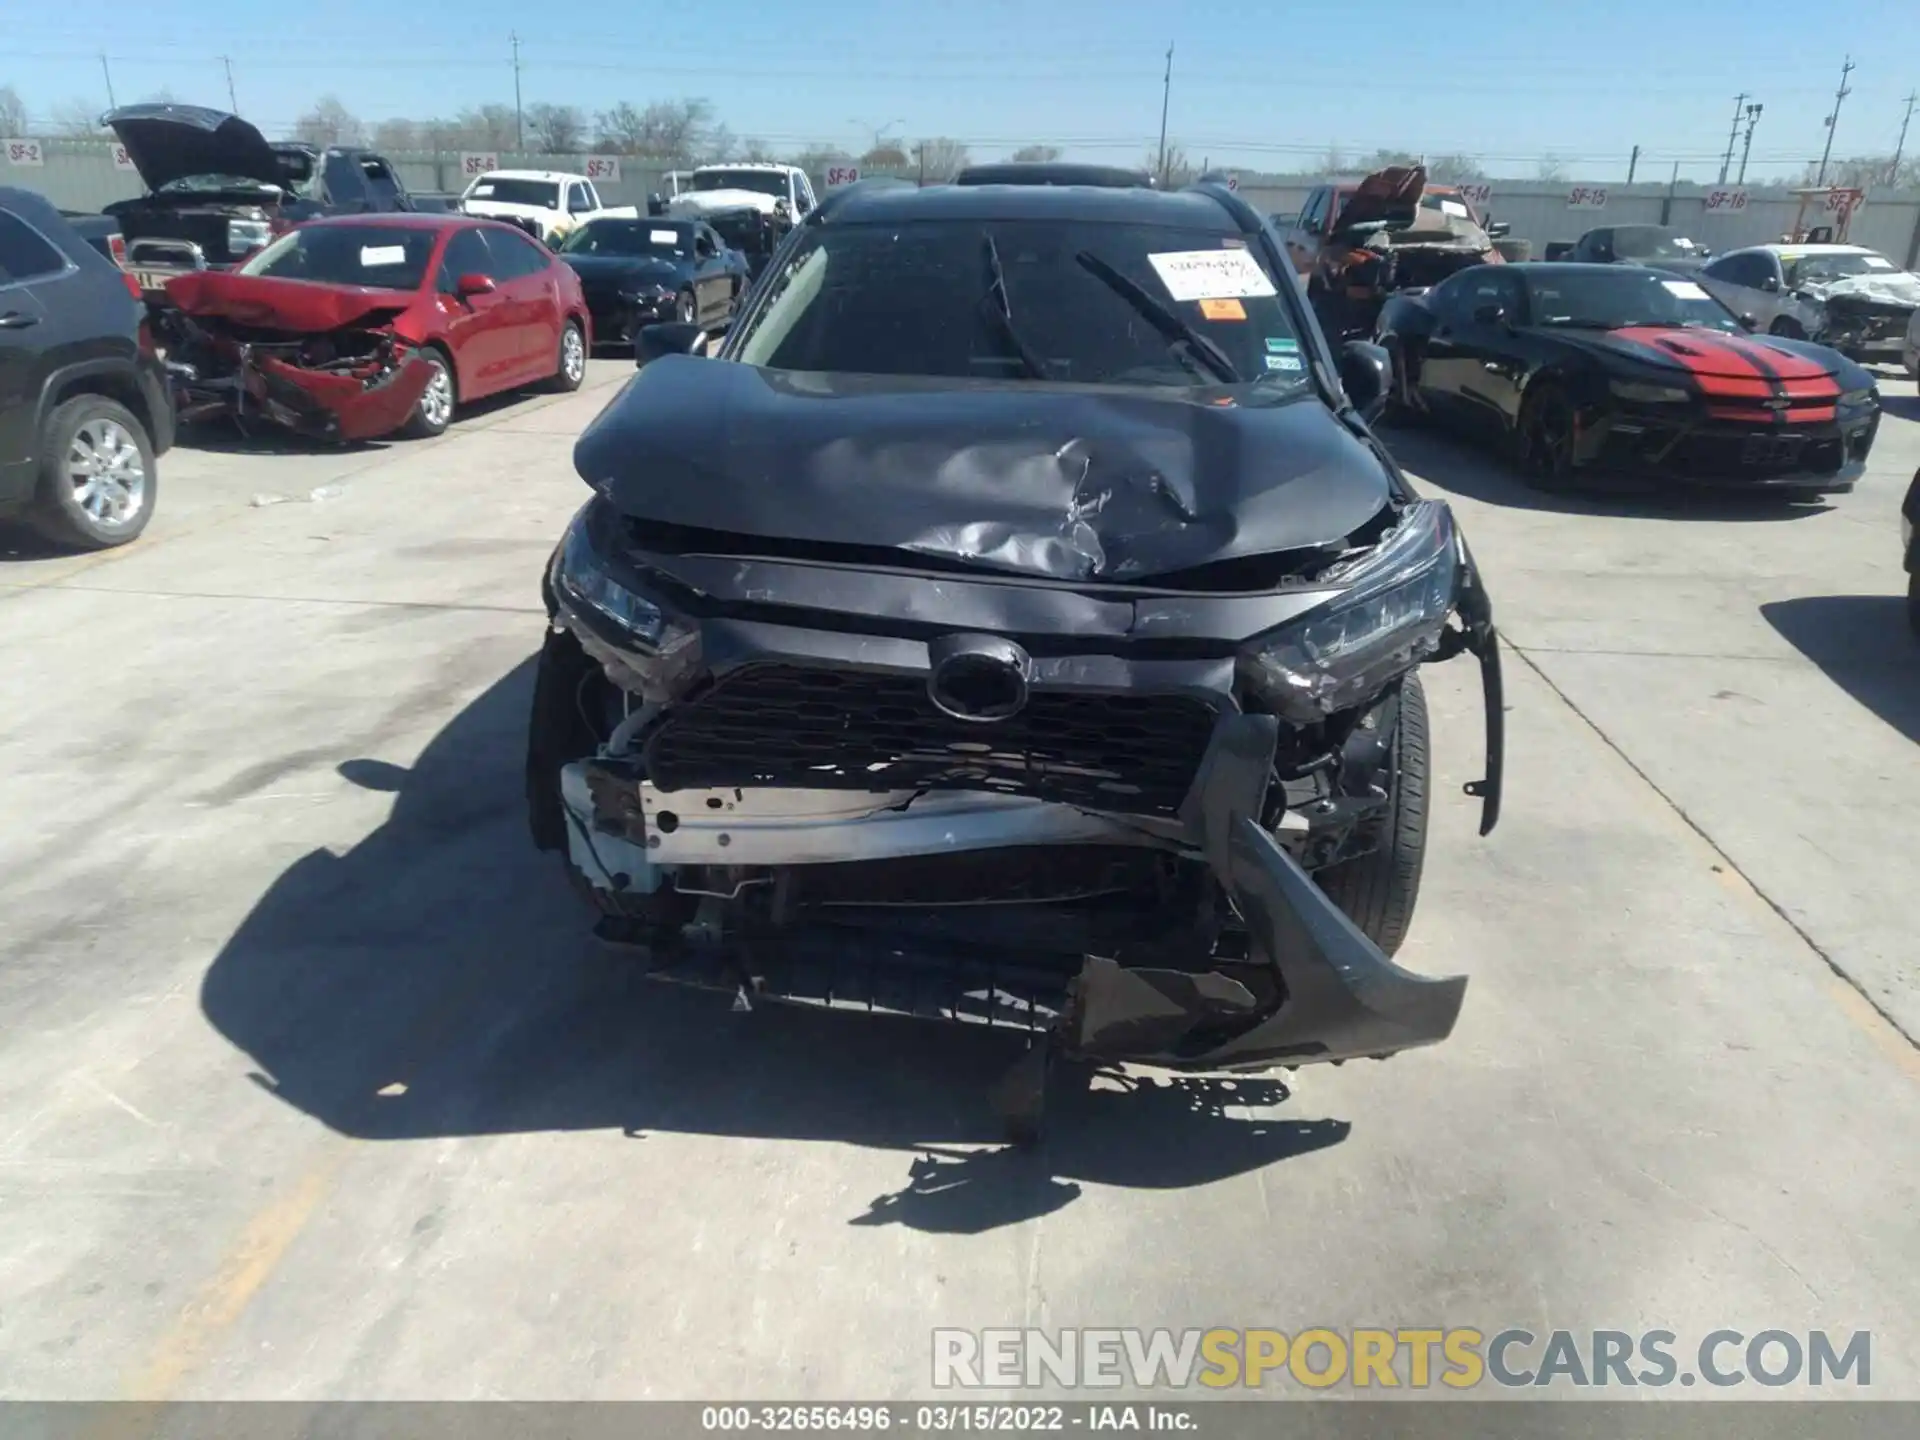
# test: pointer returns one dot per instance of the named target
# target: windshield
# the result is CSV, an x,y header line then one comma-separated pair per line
x,y
1652,242
1008,299
387,257
1614,298
543,194
630,237
762,182
1820,269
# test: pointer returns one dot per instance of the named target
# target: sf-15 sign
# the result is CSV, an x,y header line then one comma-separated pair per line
x,y
1587,197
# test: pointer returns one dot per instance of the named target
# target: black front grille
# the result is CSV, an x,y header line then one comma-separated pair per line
x,y
822,729
1757,455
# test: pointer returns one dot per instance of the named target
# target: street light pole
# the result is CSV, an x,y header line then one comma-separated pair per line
x,y
1166,94
1733,136
1753,119
519,120
1900,146
1833,120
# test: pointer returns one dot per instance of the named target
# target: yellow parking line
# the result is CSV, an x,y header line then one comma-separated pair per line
x,y
1899,1050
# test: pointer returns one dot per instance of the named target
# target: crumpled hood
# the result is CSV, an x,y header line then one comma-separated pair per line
x,y
169,142
1708,352
1022,478
1887,287
296,305
706,202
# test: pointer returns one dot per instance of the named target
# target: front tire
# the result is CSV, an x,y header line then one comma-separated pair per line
x,y
435,411
98,479
572,367
1544,438
1378,891
1787,328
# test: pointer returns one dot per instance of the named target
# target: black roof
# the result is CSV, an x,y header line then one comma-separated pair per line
x,y
1053,172
1105,205
1561,267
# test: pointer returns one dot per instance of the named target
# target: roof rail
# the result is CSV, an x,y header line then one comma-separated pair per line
x,y
1054,172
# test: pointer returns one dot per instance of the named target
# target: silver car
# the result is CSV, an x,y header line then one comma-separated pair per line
x,y
1846,296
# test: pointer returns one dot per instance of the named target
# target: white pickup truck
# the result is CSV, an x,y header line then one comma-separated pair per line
x,y
767,188
548,203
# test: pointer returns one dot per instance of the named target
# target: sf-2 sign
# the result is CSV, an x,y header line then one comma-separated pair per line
x,y
478,162
1587,197
24,152
122,160
603,167
838,175
1727,200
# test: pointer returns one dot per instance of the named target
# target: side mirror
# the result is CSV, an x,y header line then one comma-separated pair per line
x,y
1490,315
1770,285
1366,373
1749,322
672,337
1499,229
475,284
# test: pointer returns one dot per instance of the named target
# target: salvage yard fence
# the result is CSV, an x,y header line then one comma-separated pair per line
x,y
87,174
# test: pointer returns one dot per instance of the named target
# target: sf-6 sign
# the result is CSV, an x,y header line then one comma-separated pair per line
x,y
1587,197
478,162
1725,200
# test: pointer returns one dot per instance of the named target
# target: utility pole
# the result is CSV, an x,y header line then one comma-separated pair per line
x,y
1633,164
1833,120
1753,119
1733,136
1166,94
232,104
112,104
1900,146
519,121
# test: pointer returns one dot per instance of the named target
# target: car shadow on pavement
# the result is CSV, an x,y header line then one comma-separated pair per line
x,y
437,980
261,437
1453,466
1864,645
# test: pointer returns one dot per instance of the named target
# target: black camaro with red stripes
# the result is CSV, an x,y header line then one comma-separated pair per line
x,y
1582,368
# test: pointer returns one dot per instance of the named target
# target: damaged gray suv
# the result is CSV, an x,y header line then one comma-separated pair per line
x,y
1015,622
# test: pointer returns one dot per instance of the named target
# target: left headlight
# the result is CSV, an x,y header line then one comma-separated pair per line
x,y
643,290
1649,394
1388,619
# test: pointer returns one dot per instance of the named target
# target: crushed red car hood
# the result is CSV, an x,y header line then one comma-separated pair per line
x,y
296,305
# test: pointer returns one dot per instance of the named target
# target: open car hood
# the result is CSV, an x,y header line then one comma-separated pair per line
x,y
1069,484
1886,287
170,142
1391,196
294,305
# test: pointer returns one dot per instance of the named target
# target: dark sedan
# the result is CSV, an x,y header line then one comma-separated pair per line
x,y
639,271
1581,368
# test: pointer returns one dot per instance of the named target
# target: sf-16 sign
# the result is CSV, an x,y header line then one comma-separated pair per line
x,y
1727,200
1476,193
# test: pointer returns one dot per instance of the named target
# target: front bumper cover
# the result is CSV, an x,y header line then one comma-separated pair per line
x,y
1694,449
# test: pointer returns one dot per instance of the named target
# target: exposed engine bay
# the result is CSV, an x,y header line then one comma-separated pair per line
x,y
350,381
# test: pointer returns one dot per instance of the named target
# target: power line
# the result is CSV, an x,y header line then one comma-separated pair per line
x,y
1733,135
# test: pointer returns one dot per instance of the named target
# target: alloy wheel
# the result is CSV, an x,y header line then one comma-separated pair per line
x,y
573,355
109,478
436,405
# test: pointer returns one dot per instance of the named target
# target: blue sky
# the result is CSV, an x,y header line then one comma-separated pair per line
x,y
1263,86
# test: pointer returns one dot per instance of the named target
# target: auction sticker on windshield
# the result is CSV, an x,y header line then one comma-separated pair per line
x,y
1211,274
1684,290
663,237
1223,310
383,254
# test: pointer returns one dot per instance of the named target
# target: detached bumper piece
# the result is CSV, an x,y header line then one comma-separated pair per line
x,y
854,915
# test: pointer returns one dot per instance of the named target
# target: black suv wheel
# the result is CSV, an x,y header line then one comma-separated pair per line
x,y
98,480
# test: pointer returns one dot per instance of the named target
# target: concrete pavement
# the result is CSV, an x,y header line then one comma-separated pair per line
x,y
311,1087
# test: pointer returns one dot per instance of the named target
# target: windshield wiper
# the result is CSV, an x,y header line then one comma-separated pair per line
x,y
1181,336
1001,307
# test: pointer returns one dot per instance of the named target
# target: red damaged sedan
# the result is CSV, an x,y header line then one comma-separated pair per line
x,y
354,327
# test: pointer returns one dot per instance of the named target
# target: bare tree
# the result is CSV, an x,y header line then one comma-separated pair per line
x,y
162,96
1334,162
1179,169
13,112
719,145
816,159
1454,169
482,127
399,134
940,158
752,149
556,129
1860,171
1382,159
885,156
76,119
1551,167
329,123
1037,152
664,129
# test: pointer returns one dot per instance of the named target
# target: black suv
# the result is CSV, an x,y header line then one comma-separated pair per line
x,y
1018,623
84,407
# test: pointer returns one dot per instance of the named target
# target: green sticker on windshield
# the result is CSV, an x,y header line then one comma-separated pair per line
x,y
1282,345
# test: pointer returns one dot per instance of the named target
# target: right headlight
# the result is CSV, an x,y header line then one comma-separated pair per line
x,y
1387,620
650,650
